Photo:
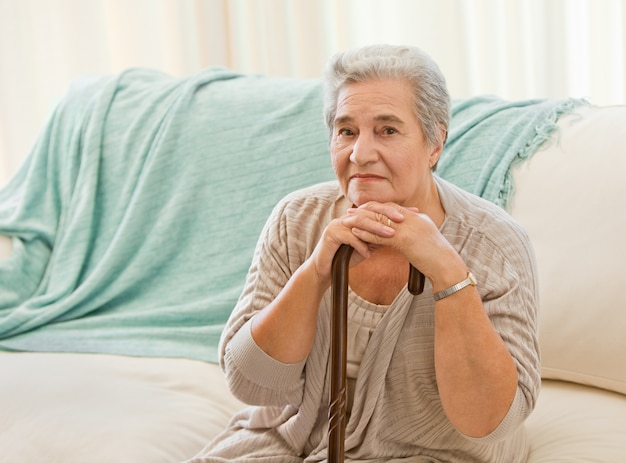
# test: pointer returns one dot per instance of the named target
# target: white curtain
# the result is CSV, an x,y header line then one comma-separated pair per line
x,y
514,48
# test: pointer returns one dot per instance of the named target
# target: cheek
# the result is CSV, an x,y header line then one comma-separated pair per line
x,y
413,159
339,157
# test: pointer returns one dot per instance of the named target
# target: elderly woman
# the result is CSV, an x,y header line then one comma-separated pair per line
x,y
448,375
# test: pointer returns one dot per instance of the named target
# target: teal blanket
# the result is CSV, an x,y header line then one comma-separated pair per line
x,y
488,137
135,216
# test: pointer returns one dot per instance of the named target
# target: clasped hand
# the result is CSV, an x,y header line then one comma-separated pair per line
x,y
374,224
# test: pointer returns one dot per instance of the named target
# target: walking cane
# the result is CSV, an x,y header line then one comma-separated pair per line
x,y
338,348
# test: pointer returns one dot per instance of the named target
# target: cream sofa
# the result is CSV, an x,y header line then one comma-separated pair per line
x,y
86,407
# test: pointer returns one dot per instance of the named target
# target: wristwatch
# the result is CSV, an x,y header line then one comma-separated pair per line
x,y
469,280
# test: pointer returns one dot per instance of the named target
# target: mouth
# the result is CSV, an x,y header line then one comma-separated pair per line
x,y
366,177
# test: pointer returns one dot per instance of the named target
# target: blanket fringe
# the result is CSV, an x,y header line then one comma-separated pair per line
x,y
543,133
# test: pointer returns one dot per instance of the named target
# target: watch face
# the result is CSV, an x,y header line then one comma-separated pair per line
x,y
472,279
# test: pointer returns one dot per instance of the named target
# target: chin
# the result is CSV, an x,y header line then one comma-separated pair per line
x,y
362,196
359,200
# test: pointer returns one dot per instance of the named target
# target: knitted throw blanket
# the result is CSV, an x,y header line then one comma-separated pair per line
x,y
135,216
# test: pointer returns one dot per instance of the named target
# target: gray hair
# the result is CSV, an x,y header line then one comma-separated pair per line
x,y
376,62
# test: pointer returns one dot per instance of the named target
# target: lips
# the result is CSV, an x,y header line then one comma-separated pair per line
x,y
366,177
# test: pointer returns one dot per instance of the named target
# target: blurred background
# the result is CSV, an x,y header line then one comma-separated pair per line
x,y
516,49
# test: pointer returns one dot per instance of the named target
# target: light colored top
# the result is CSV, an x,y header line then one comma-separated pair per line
x,y
397,414
363,317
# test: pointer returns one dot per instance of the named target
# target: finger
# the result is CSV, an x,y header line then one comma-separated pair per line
x,y
375,223
369,237
361,216
340,232
385,220
390,211
361,252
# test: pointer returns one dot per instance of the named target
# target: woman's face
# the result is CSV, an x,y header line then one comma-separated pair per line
x,y
378,149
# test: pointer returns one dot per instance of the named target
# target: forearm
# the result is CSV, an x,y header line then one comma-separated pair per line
x,y
476,375
285,329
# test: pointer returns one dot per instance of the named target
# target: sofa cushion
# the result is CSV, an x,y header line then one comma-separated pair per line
x,y
75,408
571,196
574,423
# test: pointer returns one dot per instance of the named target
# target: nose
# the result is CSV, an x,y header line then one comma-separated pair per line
x,y
364,150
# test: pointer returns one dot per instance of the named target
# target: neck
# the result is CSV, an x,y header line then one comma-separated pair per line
x,y
431,205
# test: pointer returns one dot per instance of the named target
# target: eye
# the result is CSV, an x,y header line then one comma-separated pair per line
x,y
389,131
345,132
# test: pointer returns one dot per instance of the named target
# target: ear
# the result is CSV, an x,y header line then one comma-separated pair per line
x,y
435,154
436,150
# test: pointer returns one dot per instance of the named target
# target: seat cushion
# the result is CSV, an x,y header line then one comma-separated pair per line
x,y
76,408
575,423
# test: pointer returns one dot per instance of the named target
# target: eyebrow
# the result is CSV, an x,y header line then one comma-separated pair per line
x,y
380,118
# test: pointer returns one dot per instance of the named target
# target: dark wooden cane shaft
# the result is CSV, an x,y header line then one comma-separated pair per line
x,y
416,281
338,353
339,348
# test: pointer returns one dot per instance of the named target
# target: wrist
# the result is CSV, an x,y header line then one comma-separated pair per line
x,y
449,272
317,281
469,280
447,279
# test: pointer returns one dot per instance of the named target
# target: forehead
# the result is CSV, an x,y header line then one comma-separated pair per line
x,y
381,100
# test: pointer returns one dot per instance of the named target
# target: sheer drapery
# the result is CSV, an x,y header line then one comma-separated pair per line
x,y
513,48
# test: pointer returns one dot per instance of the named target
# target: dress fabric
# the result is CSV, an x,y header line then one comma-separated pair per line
x,y
363,317
396,415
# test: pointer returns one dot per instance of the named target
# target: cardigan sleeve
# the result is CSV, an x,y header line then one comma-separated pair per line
x,y
500,254
287,240
503,262
256,378
253,376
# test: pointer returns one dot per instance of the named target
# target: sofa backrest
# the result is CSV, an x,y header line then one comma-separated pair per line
x,y
571,196
139,208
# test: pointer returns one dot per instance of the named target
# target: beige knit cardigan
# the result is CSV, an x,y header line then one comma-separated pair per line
x,y
397,414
